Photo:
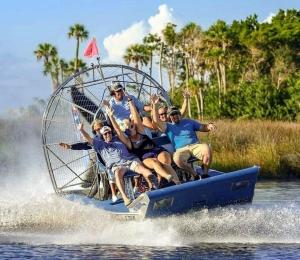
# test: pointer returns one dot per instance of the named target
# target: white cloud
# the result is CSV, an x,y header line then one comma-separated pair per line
x,y
159,21
116,44
269,18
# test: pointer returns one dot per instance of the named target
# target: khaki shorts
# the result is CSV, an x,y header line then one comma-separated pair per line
x,y
128,165
197,150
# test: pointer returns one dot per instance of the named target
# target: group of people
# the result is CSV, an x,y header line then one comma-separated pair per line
x,y
132,147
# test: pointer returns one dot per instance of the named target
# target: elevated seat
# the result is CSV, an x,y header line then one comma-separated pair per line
x,y
183,176
162,140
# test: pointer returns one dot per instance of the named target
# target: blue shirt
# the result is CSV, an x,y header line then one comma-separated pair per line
x,y
122,109
183,133
112,153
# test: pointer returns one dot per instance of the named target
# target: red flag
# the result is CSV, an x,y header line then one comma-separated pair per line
x,y
92,49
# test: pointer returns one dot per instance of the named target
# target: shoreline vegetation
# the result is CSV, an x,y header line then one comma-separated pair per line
x,y
274,146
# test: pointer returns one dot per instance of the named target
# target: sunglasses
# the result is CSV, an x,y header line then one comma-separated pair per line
x,y
106,133
163,114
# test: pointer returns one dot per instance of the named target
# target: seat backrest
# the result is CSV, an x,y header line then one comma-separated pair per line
x,y
161,140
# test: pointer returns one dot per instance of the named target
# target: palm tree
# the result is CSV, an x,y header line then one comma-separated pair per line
x,y
81,65
64,69
152,43
170,53
52,68
48,53
138,54
189,43
79,32
45,51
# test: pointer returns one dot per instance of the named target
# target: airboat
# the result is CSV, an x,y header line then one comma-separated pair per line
x,y
78,99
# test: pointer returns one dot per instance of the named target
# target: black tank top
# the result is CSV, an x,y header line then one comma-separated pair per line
x,y
142,146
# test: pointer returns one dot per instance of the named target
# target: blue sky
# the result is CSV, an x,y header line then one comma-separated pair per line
x,y
25,24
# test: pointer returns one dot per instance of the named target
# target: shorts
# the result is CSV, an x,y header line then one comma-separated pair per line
x,y
153,153
128,165
197,150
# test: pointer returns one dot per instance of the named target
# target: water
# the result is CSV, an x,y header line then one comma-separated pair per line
x,y
35,223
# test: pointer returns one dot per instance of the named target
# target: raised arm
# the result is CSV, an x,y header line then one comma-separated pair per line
x,y
85,134
124,139
186,97
135,115
160,124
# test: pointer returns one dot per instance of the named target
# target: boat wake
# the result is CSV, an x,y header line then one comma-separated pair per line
x,y
41,218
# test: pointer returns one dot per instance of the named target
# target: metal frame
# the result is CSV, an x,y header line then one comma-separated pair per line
x,y
100,79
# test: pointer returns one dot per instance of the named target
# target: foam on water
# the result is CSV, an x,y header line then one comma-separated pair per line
x,y
41,217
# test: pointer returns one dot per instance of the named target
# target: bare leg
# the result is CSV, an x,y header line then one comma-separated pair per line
x,y
153,163
136,181
181,161
145,172
165,159
207,158
119,173
203,152
113,188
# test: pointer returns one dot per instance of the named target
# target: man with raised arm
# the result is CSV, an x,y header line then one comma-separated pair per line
x,y
91,173
163,110
183,136
113,150
119,103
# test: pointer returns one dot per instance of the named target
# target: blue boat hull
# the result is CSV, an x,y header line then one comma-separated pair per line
x,y
220,189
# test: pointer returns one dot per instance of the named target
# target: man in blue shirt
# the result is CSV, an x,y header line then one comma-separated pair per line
x,y
182,134
115,154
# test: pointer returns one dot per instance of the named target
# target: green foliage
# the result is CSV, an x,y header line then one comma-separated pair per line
x,y
246,69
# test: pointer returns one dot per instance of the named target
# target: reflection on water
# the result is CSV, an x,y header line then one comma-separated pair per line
x,y
199,251
280,191
34,225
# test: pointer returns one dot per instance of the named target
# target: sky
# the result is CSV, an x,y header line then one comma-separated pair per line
x,y
115,24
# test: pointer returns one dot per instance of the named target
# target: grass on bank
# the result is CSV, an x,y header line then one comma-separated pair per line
x,y
274,146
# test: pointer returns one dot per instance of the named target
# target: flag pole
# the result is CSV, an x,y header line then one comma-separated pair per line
x,y
92,50
101,72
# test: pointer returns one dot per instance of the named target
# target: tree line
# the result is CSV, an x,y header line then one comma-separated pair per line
x,y
246,69
57,68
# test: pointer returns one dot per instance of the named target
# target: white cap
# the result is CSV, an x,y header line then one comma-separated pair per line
x,y
105,129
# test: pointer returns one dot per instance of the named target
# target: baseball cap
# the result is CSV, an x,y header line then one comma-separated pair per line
x,y
116,86
173,111
105,129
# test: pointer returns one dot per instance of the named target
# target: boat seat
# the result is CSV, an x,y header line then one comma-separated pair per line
x,y
162,140
183,176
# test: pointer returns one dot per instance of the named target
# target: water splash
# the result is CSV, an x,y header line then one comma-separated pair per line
x,y
50,219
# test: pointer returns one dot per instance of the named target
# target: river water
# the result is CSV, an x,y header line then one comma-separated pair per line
x,y
36,223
